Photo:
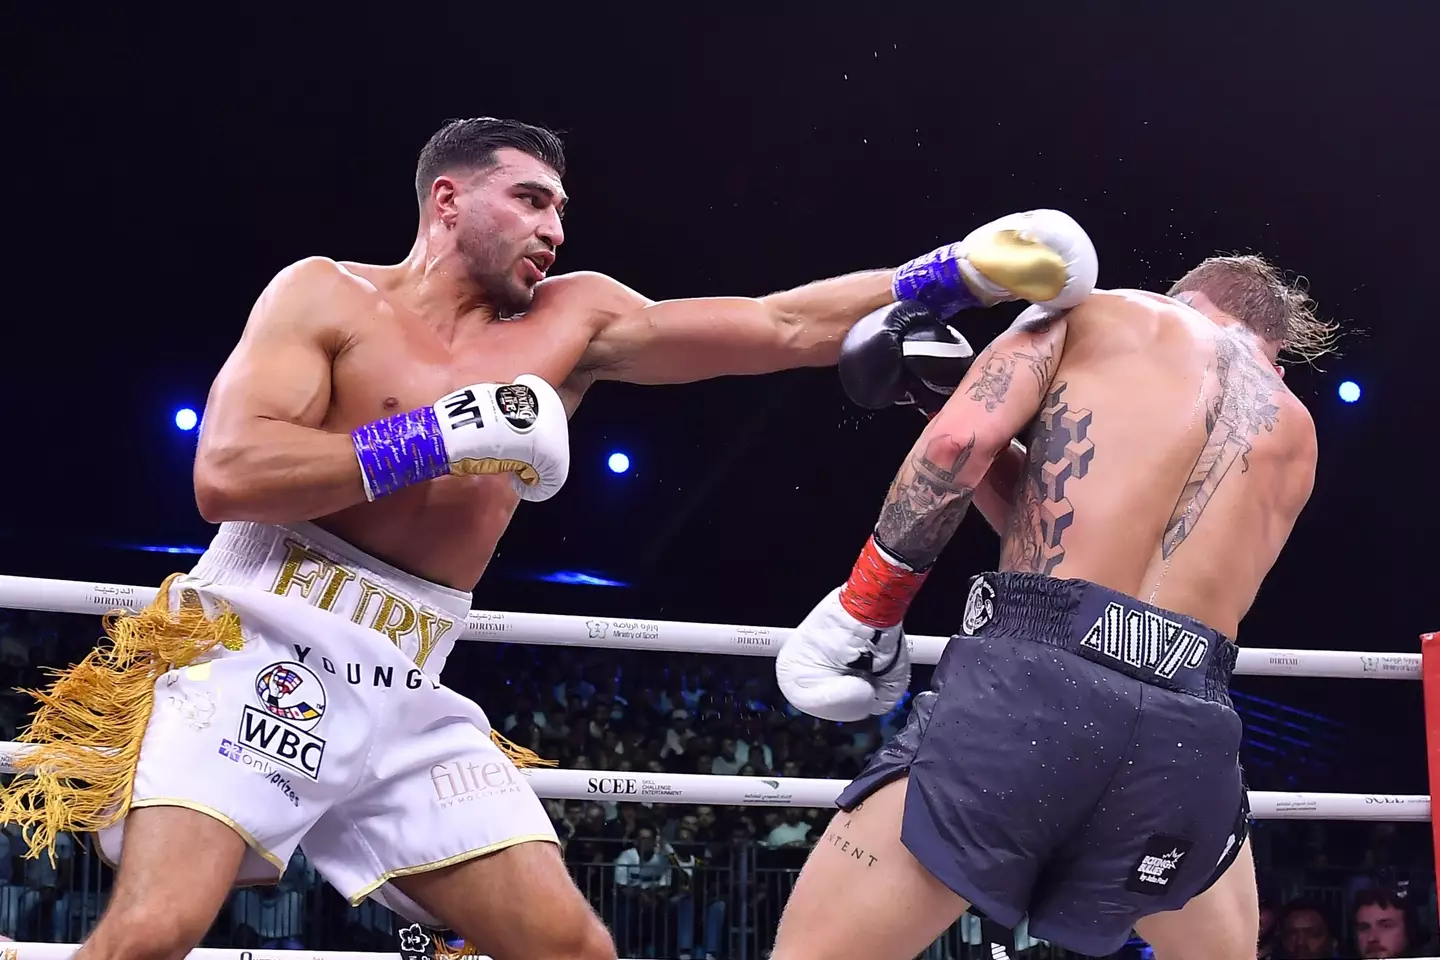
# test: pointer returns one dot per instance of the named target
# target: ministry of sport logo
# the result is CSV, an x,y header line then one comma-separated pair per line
x,y
292,703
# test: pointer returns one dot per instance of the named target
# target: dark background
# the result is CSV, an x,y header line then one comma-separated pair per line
x,y
168,163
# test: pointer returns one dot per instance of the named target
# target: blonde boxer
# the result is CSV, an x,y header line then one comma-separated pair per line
x,y
1076,760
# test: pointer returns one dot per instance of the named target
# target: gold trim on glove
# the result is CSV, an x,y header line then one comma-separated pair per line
x,y
489,466
1025,267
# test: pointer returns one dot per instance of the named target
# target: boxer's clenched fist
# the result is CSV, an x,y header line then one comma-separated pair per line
x,y
517,428
849,658
836,668
1042,256
903,354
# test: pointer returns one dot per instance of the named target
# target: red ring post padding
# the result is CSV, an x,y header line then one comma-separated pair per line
x,y
1430,680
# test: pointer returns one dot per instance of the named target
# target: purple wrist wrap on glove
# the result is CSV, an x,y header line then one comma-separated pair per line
x,y
400,451
936,281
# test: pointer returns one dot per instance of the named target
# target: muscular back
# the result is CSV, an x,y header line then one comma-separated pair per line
x,y
1168,460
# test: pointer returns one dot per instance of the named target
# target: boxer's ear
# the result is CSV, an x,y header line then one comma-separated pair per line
x,y
1279,370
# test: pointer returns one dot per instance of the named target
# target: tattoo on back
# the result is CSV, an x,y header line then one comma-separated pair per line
x,y
1060,451
1240,411
926,503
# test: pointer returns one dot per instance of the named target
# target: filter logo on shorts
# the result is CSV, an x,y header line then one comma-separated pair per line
x,y
1157,865
294,702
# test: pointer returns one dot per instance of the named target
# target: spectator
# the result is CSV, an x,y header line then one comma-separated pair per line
x,y
792,832
1304,932
728,763
678,735
524,711
1384,923
642,873
1265,944
687,892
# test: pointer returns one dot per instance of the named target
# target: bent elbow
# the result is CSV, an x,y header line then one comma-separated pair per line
x,y
211,501
216,495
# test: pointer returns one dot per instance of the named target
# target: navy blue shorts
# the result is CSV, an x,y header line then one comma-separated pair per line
x,y
1076,760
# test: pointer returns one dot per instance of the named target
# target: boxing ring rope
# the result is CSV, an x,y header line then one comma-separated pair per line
x,y
616,633
64,951
720,790
671,636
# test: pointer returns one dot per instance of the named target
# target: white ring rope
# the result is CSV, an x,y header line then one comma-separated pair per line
x,y
719,790
671,636
64,951
73,596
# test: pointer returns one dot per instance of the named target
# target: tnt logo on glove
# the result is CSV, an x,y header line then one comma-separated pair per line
x,y
293,702
462,408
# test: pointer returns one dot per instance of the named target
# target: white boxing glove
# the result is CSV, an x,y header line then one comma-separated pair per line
x,y
836,668
518,428
1043,256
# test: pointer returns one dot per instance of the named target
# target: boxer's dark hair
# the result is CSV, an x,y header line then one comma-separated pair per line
x,y
471,145
1253,291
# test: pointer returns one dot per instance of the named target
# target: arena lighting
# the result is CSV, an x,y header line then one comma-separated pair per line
x,y
618,463
185,418
575,578
1349,391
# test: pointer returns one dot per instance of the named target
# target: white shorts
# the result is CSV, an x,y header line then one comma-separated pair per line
x,y
321,732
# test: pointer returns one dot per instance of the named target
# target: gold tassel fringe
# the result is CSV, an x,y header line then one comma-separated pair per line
x,y
520,756
443,949
91,721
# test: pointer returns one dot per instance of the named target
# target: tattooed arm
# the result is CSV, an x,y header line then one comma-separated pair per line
x,y
970,438
995,497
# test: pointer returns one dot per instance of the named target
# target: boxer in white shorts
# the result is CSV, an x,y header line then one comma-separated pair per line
x,y
325,412
328,728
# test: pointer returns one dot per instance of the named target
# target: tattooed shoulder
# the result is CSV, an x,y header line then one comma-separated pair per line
x,y
998,367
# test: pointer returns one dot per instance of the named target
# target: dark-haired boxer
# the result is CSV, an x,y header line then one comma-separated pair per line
x,y
286,690
1077,758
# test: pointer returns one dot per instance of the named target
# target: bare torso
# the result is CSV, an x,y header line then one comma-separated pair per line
x,y
1169,461
391,360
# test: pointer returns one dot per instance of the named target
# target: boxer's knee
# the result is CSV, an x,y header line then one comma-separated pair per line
x,y
592,942
145,931
563,936
581,937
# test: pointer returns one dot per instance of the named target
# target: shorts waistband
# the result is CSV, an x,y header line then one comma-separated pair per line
x,y
312,566
1113,629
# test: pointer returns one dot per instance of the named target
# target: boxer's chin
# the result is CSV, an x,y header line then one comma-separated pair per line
x,y
510,294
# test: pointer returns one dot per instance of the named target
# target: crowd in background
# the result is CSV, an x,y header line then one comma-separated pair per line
x,y
692,881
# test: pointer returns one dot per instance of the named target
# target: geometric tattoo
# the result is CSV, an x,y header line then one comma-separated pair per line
x,y
1060,450
1231,419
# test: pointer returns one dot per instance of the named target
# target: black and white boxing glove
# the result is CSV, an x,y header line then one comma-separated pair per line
x,y
903,354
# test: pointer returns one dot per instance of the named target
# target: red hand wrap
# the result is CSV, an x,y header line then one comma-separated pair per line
x,y
879,591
